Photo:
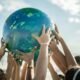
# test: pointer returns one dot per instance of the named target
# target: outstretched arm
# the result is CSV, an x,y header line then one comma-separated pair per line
x,y
68,56
12,72
10,66
27,57
16,71
53,72
2,49
24,71
58,56
42,62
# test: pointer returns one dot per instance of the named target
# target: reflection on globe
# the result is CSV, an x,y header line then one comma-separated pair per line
x,y
20,26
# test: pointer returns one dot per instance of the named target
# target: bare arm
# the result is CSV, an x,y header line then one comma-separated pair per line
x,y
68,56
10,66
16,71
12,72
58,56
29,76
24,71
53,72
2,49
42,62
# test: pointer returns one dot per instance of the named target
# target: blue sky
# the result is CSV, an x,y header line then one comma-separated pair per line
x,y
66,13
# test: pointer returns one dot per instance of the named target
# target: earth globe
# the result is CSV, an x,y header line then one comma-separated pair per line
x,y
20,26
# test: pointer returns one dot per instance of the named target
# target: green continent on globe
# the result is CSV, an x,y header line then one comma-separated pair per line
x,y
20,26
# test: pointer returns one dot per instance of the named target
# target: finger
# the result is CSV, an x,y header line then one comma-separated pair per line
x,y
57,41
55,33
34,49
34,36
43,30
48,31
56,28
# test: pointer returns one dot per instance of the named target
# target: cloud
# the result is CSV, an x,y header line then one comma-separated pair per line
x,y
74,20
1,7
11,5
72,6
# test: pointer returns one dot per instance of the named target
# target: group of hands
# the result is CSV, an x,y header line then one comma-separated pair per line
x,y
47,38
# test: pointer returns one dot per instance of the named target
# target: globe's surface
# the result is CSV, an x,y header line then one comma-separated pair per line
x,y
19,27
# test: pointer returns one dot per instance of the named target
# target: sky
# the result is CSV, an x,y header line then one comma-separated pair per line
x,y
65,13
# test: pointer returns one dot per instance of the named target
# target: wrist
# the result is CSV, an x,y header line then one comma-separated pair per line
x,y
46,44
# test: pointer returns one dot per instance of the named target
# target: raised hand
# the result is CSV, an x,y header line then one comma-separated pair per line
x,y
53,44
27,56
42,61
68,56
44,38
2,49
57,34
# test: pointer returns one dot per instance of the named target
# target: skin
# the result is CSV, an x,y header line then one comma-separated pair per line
x,y
10,67
2,49
42,62
13,68
64,61
70,61
27,57
52,70
24,71
29,76
58,56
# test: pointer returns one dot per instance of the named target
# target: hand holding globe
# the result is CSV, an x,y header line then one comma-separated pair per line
x,y
20,26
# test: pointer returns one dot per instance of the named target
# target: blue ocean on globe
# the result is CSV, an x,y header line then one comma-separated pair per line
x,y
20,26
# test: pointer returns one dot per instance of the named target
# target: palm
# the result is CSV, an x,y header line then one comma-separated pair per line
x,y
45,36
27,56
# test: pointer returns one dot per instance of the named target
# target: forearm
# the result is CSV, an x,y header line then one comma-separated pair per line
x,y
53,73
29,76
9,72
16,73
24,72
60,56
69,58
58,63
2,50
42,63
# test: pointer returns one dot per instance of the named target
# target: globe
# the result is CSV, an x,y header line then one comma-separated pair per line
x,y
20,26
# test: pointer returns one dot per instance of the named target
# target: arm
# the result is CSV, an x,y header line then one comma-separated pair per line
x,y
16,71
58,56
29,76
68,56
12,72
24,71
2,49
53,72
10,66
27,57
42,62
